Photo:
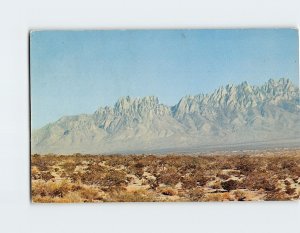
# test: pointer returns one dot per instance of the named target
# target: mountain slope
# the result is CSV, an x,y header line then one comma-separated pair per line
x,y
230,115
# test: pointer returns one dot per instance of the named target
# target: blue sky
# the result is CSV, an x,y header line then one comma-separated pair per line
x,y
75,72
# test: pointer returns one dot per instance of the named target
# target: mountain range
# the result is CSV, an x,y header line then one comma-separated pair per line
x,y
232,115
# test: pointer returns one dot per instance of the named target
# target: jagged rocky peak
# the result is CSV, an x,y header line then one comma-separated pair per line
x,y
103,110
140,107
236,97
283,84
150,101
123,103
127,102
184,105
279,82
246,87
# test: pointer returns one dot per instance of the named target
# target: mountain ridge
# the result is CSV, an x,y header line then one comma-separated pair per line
x,y
231,114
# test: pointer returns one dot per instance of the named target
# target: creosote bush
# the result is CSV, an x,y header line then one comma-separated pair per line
x,y
230,185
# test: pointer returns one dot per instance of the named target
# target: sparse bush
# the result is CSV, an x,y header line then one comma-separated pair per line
x,y
246,165
289,165
286,182
69,167
201,178
230,185
35,173
168,177
168,191
50,188
90,194
290,190
276,196
256,182
196,194
114,178
46,176
188,182
239,195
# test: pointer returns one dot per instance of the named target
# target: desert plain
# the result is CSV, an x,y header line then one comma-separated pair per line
x,y
264,175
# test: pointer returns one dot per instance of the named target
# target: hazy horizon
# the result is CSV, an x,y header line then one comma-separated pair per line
x,y
74,72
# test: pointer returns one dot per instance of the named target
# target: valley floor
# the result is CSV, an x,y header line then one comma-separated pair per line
x,y
245,176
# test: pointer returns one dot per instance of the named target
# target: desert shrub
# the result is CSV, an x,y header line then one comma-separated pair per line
x,y
76,187
114,161
50,188
90,194
168,177
68,167
289,190
63,175
200,178
286,182
94,175
266,184
189,167
246,165
139,165
114,178
273,166
168,191
196,194
95,167
46,176
136,166
289,165
153,183
212,167
92,178
107,178
138,172
188,182
59,188
239,195
296,179
230,185
281,175
260,181
76,176
40,163
35,173
276,196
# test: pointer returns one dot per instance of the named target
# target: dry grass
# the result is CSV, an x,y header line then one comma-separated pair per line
x,y
264,175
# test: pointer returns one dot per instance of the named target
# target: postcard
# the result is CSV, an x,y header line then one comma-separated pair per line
x,y
186,115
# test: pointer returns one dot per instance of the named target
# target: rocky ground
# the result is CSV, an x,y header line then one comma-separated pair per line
x,y
239,176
